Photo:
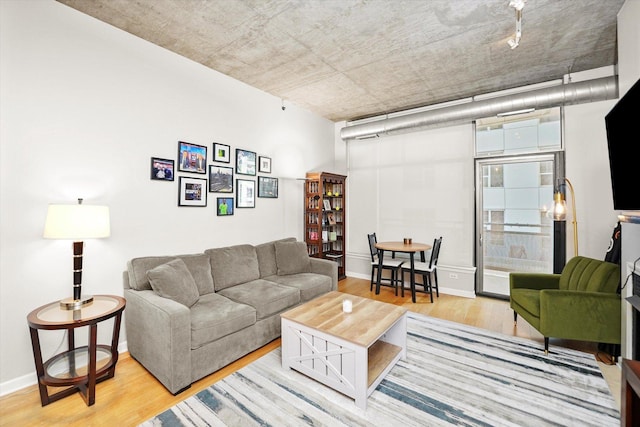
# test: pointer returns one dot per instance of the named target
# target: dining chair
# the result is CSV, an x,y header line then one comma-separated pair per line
x,y
393,265
428,270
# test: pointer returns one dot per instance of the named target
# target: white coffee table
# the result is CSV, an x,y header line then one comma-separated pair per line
x,y
349,352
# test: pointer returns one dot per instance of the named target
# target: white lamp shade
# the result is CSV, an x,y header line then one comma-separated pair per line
x,y
77,222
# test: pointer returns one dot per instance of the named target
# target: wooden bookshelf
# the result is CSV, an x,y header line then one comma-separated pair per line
x,y
325,217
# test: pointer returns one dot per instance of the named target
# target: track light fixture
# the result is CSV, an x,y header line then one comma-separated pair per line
x,y
518,5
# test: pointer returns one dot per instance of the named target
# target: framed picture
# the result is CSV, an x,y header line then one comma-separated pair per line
x,y
326,204
264,164
162,169
267,187
245,162
192,157
224,206
221,153
220,179
246,193
331,218
192,191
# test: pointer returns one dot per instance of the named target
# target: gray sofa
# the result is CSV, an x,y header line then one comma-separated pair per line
x,y
190,315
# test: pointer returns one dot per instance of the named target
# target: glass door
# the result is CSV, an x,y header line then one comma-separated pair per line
x,y
513,195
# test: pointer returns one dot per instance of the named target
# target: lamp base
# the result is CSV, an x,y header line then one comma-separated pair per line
x,y
76,304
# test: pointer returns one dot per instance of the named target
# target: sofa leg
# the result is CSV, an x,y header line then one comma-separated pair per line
x,y
515,318
181,390
546,346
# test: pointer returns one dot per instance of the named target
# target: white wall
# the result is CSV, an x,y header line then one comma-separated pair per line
x,y
417,185
84,106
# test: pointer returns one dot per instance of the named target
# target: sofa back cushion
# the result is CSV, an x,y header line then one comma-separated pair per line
x,y
174,281
267,257
197,264
292,258
590,275
233,265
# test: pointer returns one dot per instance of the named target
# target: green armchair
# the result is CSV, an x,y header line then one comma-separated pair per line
x,y
581,303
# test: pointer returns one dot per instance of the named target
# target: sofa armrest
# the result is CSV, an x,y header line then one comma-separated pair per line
x,y
326,267
534,281
586,316
159,337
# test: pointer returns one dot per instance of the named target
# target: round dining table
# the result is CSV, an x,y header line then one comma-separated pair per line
x,y
411,249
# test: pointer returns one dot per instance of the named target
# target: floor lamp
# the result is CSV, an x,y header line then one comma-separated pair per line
x,y
77,223
560,212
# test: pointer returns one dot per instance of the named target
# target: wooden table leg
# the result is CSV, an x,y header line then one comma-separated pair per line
x,y
37,357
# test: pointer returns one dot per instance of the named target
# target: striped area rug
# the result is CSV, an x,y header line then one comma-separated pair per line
x,y
454,375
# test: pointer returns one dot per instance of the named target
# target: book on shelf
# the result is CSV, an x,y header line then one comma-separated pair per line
x,y
333,256
313,235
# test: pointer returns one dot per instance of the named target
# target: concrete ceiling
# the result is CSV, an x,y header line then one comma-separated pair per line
x,y
351,59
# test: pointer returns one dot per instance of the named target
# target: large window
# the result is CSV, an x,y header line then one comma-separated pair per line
x,y
516,166
524,133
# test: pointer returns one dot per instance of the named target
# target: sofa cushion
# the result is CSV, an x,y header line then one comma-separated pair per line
x,y
198,265
310,285
215,316
266,297
292,258
174,281
267,257
233,265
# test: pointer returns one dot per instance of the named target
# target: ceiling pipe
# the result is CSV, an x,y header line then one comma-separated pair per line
x,y
564,94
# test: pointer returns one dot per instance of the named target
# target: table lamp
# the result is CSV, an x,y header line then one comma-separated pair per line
x,y
77,222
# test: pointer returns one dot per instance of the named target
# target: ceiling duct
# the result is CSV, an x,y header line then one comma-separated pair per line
x,y
565,94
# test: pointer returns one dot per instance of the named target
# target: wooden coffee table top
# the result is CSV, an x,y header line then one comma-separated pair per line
x,y
368,320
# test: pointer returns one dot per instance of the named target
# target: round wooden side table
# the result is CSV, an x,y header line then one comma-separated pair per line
x,y
79,369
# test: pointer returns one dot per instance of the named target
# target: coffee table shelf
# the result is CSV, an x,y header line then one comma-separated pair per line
x,y
381,355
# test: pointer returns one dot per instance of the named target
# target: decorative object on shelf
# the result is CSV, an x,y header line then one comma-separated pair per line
x,y
264,164
220,179
162,169
267,187
221,153
224,206
192,157
77,223
331,218
560,209
192,192
245,162
326,204
246,193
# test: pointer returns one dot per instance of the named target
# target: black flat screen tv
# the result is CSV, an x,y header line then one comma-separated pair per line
x,y
623,137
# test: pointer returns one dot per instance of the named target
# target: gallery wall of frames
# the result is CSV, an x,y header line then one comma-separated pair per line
x,y
197,176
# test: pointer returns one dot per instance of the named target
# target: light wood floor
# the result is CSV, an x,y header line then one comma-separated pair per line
x,y
134,395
